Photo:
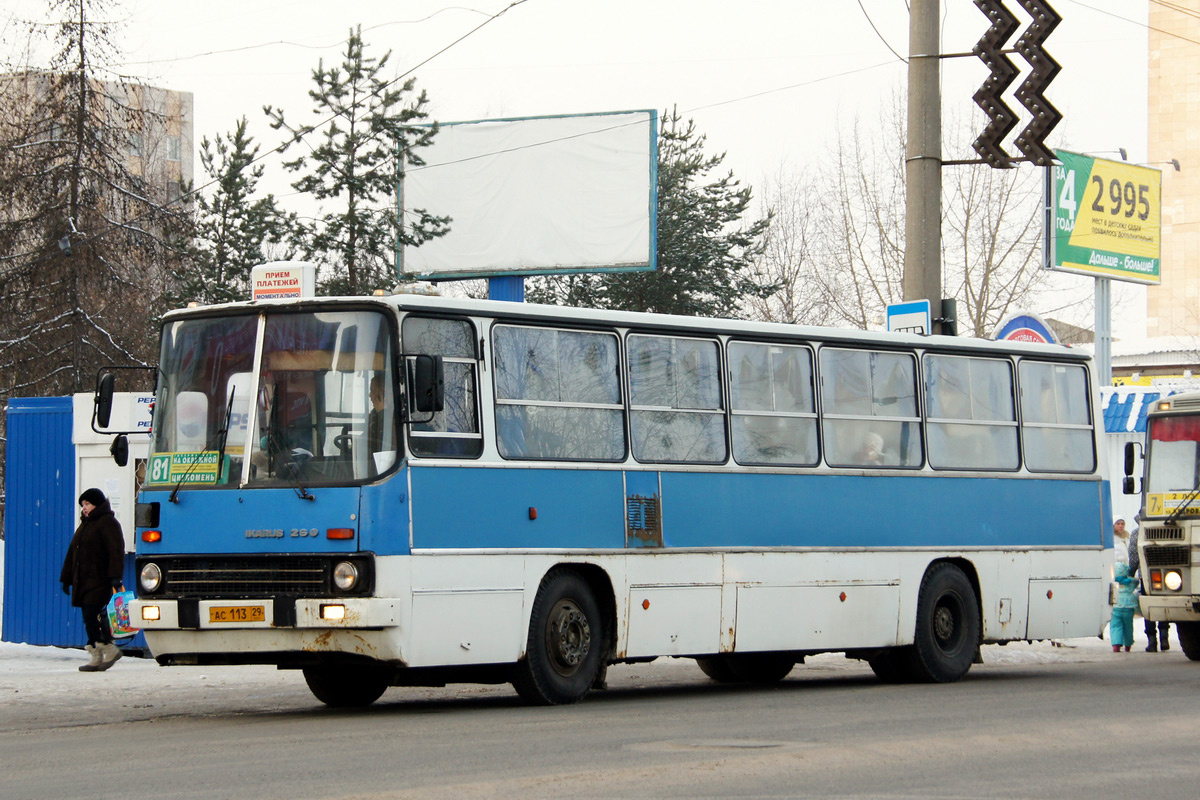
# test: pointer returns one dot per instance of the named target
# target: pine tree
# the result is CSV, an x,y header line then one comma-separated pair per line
x,y
365,123
705,252
234,231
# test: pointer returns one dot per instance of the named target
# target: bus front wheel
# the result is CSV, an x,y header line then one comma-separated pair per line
x,y
1189,639
947,633
347,687
565,648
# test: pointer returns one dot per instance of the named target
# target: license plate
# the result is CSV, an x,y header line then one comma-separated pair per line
x,y
237,614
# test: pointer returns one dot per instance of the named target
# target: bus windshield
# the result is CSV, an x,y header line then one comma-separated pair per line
x,y
1174,454
317,408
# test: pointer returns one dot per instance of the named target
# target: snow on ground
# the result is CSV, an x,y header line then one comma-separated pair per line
x,y
44,681
47,677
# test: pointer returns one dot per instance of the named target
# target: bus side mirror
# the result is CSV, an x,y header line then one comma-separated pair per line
x,y
104,398
120,450
1130,455
1127,485
429,384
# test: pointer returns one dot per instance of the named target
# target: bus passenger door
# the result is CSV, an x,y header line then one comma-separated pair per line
x,y
643,510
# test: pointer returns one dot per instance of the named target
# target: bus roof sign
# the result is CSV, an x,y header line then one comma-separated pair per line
x,y
282,280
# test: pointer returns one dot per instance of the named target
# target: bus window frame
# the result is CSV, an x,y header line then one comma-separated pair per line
x,y
914,354
722,393
621,376
475,361
1089,426
930,421
732,413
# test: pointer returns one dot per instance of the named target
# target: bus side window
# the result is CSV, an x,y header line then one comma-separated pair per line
x,y
971,414
675,397
1056,425
557,394
867,394
454,431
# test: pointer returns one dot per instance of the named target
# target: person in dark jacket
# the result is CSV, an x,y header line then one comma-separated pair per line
x,y
91,574
1135,562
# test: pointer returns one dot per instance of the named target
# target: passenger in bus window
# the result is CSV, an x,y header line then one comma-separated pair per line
x,y
870,453
375,417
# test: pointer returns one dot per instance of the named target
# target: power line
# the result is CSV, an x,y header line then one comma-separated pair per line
x,y
299,136
301,45
880,35
1145,25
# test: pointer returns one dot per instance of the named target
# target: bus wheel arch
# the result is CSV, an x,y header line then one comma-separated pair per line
x,y
948,623
568,642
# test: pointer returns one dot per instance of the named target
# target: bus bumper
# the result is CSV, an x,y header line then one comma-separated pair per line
x,y
326,612
1159,608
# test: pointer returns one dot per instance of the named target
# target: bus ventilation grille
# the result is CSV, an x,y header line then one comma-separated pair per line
x,y
642,521
245,577
1168,556
1164,533
1185,402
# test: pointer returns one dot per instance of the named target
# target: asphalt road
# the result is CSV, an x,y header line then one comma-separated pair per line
x,y
1051,722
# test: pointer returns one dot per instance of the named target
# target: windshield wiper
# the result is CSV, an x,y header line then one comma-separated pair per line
x,y
224,433
1179,509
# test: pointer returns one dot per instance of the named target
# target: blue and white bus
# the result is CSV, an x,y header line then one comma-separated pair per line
x,y
414,490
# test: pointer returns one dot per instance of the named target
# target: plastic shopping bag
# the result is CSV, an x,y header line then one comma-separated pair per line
x,y
116,616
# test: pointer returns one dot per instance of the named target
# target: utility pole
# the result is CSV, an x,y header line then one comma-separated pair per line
x,y
923,162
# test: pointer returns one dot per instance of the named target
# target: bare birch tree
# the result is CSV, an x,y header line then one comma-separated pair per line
x,y
88,237
842,258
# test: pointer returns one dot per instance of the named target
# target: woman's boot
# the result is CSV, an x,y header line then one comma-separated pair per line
x,y
109,653
94,664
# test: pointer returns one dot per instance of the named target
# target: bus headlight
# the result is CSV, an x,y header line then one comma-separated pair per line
x,y
1173,580
150,578
345,576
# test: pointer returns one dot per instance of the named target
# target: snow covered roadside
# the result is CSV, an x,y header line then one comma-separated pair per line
x,y
39,686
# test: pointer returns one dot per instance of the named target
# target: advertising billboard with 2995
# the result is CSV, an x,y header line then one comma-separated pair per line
x,y
1107,218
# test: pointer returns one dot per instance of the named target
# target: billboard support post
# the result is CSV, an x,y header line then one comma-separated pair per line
x,y
1104,331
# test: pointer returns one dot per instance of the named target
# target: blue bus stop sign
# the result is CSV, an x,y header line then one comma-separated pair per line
x,y
912,317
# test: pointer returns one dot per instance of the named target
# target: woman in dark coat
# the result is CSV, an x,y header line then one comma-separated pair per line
x,y
92,572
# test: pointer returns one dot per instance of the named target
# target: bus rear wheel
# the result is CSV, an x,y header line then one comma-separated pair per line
x,y
947,633
1189,639
565,648
347,687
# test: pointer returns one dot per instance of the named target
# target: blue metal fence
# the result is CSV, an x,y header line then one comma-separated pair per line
x,y
41,516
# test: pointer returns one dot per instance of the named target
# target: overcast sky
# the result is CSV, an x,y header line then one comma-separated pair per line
x,y
766,80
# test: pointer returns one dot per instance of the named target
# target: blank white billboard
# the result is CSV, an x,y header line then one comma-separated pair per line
x,y
537,195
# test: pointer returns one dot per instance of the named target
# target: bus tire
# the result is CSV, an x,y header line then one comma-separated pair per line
x,y
947,632
565,648
347,687
759,668
893,665
1189,639
762,668
718,668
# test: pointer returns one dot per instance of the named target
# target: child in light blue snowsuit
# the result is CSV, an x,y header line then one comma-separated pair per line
x,y
1120,630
